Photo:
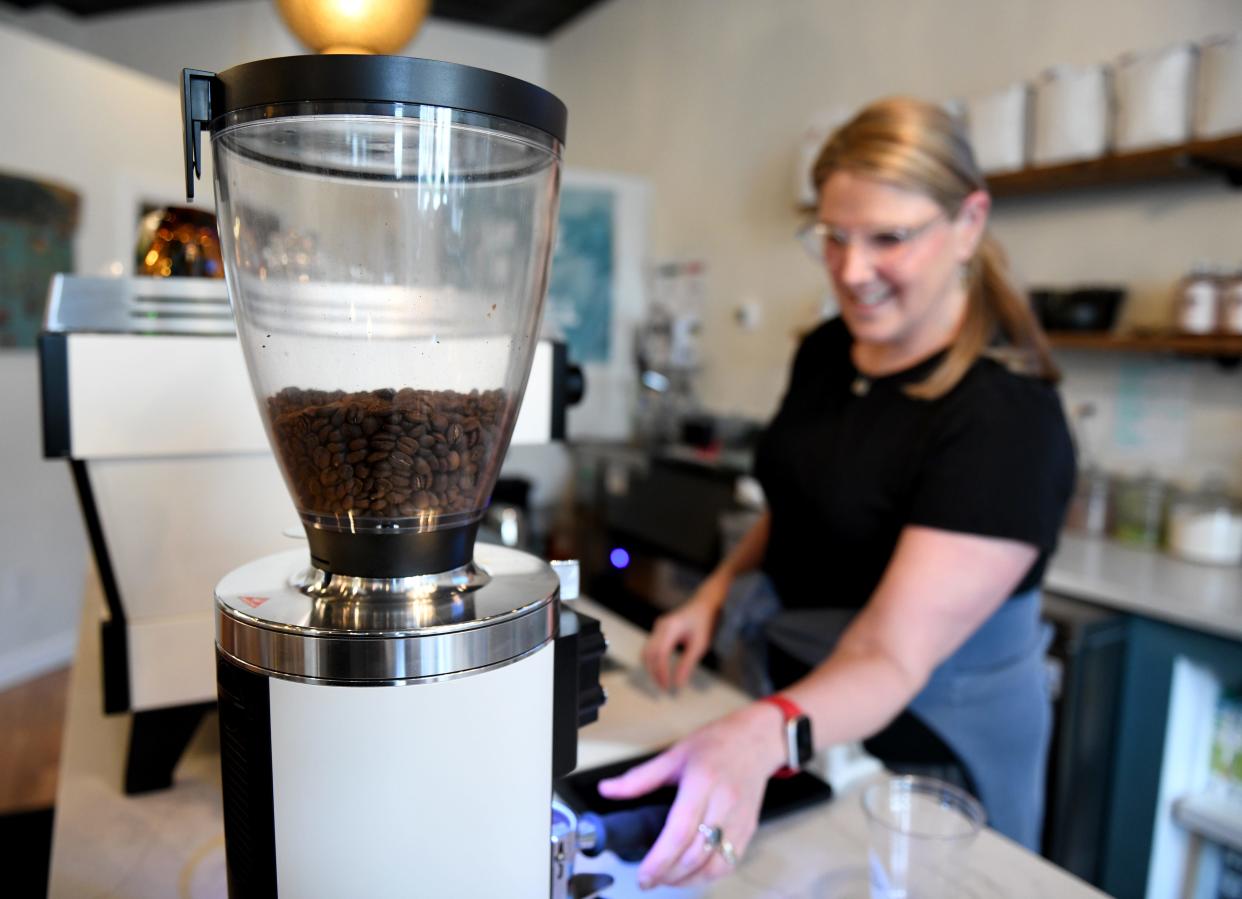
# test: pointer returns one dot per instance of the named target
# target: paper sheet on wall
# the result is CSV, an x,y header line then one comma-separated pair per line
x,y
1151,416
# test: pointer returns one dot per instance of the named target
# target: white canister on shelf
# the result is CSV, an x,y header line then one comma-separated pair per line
x,y
1206,527
1197,301
997,124
1071,118
1230,301
1153,91
1218,95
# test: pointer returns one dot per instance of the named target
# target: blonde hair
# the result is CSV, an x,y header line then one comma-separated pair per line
x,y
919,147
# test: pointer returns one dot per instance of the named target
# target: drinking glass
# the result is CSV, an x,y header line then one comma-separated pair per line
x,y
918,829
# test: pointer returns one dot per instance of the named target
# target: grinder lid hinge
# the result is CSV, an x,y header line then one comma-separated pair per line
x,y
196,89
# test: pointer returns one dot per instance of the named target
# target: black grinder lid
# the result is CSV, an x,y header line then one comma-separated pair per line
x,y
207,96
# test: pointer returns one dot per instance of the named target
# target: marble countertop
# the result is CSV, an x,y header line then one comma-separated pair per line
x,y
819,852
171,843
1205,598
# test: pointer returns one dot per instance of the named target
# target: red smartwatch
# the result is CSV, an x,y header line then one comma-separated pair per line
x,y
798,745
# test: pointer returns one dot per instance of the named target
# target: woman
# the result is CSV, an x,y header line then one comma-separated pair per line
x,y
909,475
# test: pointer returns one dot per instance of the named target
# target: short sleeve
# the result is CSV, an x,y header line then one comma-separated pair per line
x,y
999,463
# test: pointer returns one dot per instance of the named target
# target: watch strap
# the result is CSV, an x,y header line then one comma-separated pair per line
x,y
790,712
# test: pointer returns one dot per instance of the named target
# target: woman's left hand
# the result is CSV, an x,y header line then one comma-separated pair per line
x,y
722,771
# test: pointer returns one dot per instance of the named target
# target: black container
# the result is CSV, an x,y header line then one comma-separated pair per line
x,y
1091,308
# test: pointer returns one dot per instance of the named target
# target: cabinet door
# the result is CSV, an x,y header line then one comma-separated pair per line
x,y
1152,650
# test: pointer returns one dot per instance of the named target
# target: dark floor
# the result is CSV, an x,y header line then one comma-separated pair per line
x,y
27,841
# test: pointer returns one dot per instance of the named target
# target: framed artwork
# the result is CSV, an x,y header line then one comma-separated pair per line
x,y
597,294
37,225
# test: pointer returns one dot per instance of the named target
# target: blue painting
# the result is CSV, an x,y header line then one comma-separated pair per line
x,y
580,287
37,223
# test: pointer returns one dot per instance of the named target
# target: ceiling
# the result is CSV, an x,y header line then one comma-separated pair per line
x,y
530,17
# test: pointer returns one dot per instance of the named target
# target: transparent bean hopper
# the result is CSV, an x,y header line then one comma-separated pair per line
x,y
387,689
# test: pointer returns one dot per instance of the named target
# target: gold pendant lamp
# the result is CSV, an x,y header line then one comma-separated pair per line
x,y
353,26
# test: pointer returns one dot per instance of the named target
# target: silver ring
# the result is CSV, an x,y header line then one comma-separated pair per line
x,y
714,841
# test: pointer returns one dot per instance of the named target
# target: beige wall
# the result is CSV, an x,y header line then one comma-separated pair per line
x,y
111,135
708,98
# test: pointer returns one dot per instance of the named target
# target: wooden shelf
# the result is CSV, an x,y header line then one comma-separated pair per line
x,y
1220,346
1222,156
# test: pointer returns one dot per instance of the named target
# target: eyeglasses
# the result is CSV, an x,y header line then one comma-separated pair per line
x,y
824,241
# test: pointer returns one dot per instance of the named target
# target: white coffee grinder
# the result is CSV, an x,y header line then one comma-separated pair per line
x,y
394,703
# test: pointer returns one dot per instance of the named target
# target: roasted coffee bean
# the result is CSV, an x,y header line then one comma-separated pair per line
x,y
386,453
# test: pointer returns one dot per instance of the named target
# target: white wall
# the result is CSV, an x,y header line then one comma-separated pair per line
x,y
708,99
111,135
42,541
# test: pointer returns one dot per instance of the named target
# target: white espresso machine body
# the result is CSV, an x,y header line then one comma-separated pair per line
x,y
146,395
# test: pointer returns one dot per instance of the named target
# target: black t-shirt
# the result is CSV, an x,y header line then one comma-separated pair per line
x,y
844,473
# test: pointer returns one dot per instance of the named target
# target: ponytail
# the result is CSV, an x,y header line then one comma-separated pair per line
x,y
994,308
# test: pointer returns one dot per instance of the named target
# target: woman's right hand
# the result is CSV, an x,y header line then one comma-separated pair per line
x,y
689,629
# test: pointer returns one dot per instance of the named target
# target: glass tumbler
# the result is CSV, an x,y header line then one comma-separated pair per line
x,y
918,831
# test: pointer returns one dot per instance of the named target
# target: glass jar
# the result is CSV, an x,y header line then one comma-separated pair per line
x,y
1138,511
1206,526
1090,509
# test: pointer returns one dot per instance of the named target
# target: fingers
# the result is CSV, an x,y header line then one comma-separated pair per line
x,y
712,865
699,854
656,652
715,868
659,648
681,830
691,654
661,770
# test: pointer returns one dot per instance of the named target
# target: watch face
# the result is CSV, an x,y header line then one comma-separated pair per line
x,y
802,739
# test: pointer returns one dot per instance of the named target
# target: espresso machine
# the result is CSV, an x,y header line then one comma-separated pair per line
x,y
394,698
